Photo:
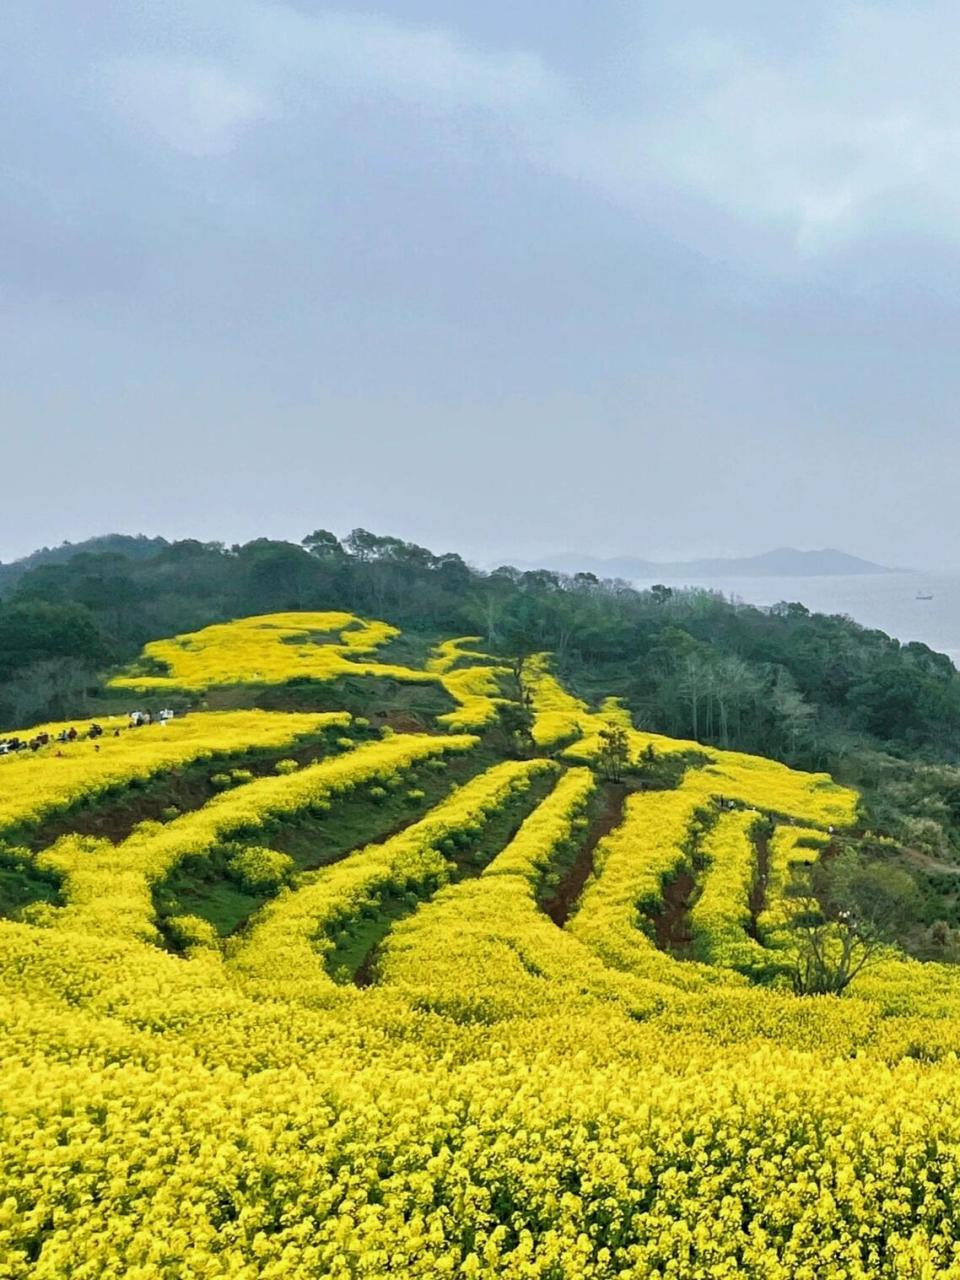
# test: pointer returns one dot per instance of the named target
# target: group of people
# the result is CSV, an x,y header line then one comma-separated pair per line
x,y
136,720
139,718
8,746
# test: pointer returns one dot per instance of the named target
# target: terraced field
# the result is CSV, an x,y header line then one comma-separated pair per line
x,y
296,994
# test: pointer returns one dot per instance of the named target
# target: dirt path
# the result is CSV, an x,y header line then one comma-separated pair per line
x,y
610,815
672,928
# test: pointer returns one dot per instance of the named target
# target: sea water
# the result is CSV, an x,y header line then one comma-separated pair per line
x,y
886,601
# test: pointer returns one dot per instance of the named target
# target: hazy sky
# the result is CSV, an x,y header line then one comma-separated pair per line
x,y
663,277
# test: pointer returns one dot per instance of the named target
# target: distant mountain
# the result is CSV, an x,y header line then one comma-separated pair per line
x,y
136,548
785,562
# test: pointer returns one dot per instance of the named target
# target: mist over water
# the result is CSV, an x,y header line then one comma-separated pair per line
x,y
887,601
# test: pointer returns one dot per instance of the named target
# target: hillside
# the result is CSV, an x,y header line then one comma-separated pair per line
x,y
784,562
386,957
122,544
816,692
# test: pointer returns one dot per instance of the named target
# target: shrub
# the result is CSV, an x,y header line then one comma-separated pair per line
x,y
221,781
285,767
258,869
378,794
241,776
415,795
43,915
187,932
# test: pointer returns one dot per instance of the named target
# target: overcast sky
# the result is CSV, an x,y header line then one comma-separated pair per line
x,y
660,277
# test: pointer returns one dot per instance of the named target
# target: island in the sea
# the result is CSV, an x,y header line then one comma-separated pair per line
x,y
784,562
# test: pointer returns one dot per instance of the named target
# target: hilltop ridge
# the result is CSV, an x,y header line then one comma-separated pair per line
x,y
782,562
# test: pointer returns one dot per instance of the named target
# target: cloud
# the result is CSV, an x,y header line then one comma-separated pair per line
x,y
358,53
276,56
197,108
857,127
734,145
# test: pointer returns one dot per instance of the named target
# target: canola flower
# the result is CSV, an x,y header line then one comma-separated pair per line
x,y
555,822
107,887
270,649
508,1100
631,866
774,788
279,647
285,946
721,915
475,687
483,949
33,786
751,780
789,847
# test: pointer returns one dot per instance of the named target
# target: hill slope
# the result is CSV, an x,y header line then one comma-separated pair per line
x,y
287,992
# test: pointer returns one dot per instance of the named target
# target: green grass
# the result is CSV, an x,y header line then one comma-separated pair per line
x,y
347,958
360,695
410,649
22,884
223,903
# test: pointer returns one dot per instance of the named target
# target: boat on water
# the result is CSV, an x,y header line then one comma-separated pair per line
x,y
923,595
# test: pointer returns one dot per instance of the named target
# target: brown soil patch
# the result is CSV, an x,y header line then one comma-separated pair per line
x,y
403,722
758,890
568,891
671,925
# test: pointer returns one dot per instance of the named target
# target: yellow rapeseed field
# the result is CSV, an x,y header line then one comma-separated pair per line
x,y
32,786
501,1096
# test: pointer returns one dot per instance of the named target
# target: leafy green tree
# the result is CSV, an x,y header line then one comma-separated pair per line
x,y
32,632
614,754
515,728
847,912
323,544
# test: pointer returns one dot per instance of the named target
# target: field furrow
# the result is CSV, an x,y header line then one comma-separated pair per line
x,y
287,945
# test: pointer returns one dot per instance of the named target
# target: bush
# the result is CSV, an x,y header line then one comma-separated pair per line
x,y
378,794
284,767
241,776
42,915
258,869
187,932
415,795
169,813
221,781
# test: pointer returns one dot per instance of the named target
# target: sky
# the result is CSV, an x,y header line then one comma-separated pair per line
x,y
649,277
